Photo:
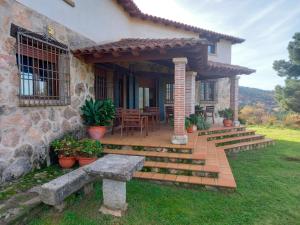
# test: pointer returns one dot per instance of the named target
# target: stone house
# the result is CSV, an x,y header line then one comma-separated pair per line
x,y
55,54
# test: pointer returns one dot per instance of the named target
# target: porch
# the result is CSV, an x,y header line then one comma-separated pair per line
x,y
139,73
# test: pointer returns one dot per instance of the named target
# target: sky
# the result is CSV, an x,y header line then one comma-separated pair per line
x,y
267,26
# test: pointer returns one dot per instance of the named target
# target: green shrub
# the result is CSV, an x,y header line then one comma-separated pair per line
x,y
98,113
65,146
226,113
90,148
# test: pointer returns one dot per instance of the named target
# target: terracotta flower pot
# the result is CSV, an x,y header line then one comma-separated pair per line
x,y
66,162
96,132
227,123
190,129
86,160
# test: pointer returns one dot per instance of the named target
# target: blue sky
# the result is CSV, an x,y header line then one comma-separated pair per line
x,y
267,26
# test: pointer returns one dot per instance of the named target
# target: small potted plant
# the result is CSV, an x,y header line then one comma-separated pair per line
x,y
227,114
97,115
194,120
88,151
188,125
65,149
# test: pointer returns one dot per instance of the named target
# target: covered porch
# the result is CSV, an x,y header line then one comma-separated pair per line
x,y
141,73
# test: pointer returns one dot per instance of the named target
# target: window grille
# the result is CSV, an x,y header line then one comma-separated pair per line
x,y
100,84
44,70
207,90
169,98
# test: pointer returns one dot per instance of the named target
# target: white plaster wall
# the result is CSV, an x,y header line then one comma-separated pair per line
x,y
223,53
102,20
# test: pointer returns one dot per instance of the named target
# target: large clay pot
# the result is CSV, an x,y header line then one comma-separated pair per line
x,y
190,129
66,162
227,123
86,160
96,132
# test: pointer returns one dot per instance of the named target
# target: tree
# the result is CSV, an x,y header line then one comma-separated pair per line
x,y
288,96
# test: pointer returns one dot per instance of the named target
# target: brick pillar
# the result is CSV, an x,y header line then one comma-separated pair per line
x,y
179,136
234,98
190,82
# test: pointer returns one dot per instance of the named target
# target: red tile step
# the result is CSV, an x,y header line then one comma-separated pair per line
x,y
250,144
240,139
211,137
152,154
206,181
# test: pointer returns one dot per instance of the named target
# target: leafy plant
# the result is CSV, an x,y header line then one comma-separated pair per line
x,y
65,146
198,109
187,122
98,113
194,119
202,124
90,148
226,113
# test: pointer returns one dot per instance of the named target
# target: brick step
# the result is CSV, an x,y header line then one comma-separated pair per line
x,y
211,137
147,148
218,130
198,158
182,169
228,141
247,145
189,180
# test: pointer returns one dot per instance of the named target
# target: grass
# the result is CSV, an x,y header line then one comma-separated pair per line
x,y
268,193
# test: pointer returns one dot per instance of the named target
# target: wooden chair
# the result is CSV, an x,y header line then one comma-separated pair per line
x,y
210,112
169,113
155,118
118,119
131,119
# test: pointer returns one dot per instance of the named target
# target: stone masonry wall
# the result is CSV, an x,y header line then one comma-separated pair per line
x,y
223,97
25,132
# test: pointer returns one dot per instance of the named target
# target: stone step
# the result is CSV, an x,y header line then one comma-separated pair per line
x,y
217,130
245,138
163,156
244,146
149,148
211,137
182,169
189,180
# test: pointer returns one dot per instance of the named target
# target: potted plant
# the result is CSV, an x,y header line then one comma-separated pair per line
x,y
188,125
202,124
65,150
97,115
88,151
227,114
194,120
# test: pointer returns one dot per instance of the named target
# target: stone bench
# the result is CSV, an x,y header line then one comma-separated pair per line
x,y
115,170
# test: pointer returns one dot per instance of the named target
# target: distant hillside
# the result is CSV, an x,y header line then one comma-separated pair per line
x,y
251,96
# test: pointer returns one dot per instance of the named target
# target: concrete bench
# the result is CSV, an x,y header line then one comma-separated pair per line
x,y
115,170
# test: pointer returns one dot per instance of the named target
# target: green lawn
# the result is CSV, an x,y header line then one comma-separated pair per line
x,y
268,193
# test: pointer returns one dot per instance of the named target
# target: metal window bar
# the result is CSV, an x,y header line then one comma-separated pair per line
x,y
100,85
44,70
169,98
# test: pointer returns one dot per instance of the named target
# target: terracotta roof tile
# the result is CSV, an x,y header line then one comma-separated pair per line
x,y
139,44
131,8
229,67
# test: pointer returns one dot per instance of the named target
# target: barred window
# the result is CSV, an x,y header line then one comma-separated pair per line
x,y
207,91
100,84
169,98
44,66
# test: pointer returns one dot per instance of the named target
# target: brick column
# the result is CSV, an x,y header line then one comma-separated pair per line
x,y
190,82
234,98
179,136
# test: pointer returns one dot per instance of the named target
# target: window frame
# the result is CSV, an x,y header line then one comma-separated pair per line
x,y
42,50
169,93
214,47
101,93
215,93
